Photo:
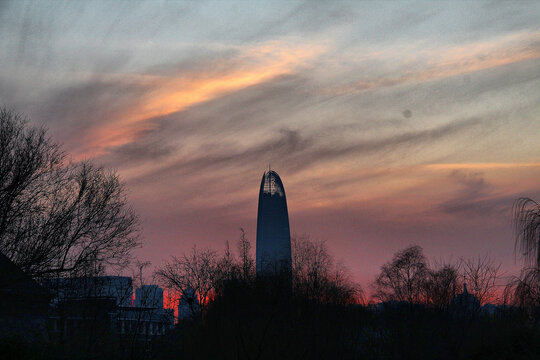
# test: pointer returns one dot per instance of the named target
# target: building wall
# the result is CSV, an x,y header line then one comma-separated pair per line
x,y
150,296
118,287
273,234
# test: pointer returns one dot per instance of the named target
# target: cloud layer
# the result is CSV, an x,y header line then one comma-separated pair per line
x,y
390,124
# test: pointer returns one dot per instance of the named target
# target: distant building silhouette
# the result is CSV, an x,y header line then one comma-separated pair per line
x,y
102,305
24,304
149,296
117,288
273,233
465,304
188,306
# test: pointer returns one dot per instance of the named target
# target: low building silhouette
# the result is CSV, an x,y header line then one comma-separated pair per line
x,y
117,288
149,296
24,304
103,304
188,306
465,304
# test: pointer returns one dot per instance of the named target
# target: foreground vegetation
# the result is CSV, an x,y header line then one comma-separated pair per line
x,y
254,324
264,321
314,313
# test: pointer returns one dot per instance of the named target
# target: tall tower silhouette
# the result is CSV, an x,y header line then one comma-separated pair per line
x,y
273,233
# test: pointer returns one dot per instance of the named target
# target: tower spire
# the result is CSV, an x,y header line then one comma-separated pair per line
x,y
273,251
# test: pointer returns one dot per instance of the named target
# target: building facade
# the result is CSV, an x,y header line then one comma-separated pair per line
x,y
273,250
149,296
102,305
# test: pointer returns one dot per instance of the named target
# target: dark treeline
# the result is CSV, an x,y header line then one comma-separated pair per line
x,y
64,219
420,314
270,318
250,318
253,324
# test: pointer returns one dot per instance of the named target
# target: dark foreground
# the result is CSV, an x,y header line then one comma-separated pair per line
x,y
252,322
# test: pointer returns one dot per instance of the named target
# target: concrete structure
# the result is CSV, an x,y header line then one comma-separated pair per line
x,y
118,288
143,322
188,306
149,296
273,234
101,306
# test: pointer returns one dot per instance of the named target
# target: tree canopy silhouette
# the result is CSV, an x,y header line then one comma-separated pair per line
x,y
403,278
58,217
527,228
526,288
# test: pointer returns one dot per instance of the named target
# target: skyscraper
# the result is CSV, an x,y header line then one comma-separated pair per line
x,y
273,233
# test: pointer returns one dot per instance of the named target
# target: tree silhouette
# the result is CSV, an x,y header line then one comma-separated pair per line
x,y
481,275
404,278
527,228
195,271
316,276
441,284
58,217
247,262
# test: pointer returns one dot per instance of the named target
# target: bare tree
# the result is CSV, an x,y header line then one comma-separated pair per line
x,y
194,271
311,265
481,275
441,285
227,269
29,161
247,263
340,289
316,276
58,218
139,279
226,265
526,288
404,278
527,228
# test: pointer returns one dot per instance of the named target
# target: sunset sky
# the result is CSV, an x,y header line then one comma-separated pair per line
x,y
390,123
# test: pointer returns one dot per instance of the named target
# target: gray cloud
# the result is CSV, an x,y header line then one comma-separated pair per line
x,y
392,143
477,198
295,151
305,17
74,110
287,142
197,58
138,152
271,105
472,194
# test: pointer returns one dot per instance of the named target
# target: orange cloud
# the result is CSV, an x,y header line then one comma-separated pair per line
x,y
256,65
171,94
